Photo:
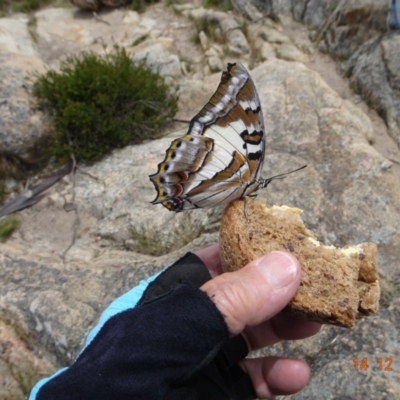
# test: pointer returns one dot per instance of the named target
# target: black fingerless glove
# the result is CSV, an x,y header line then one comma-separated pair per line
x,y
174,344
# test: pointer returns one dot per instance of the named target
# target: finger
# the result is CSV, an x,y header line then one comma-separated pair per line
x,y
280,327
257,292
210,257
273,376
290,328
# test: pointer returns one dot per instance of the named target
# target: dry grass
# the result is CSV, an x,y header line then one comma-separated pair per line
x,y
151,241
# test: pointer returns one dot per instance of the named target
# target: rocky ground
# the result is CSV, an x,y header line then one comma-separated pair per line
x,y
73,252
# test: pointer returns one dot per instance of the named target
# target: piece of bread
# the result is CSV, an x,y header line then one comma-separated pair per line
x,y
337,286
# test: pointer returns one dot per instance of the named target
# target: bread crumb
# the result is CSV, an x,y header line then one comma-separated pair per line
x,y
338,285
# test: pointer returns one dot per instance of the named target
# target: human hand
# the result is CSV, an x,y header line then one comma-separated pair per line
x,y
250,301
165,338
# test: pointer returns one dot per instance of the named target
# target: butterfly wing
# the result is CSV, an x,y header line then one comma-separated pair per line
x,y
221,157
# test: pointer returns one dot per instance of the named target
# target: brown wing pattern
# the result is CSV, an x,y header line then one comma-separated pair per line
x,y
221,156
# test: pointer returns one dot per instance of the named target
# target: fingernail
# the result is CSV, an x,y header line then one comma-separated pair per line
x,y
278,268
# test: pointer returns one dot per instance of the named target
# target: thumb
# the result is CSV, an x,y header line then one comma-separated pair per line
x,y
257,292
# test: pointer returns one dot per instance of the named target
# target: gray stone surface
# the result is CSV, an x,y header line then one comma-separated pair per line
x,y
274,36
290,52
23,128
256,9
267,52
250,9
313,12
230,29
15,36
355,23
375,74
342,26
159,59
355,31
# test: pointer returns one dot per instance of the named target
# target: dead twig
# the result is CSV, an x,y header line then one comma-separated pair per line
x,y
77,222
99,19
34,194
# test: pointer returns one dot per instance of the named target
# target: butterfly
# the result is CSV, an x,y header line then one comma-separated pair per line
x,y
221,157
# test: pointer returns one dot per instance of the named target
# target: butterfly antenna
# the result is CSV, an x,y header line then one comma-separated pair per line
x,y
265,182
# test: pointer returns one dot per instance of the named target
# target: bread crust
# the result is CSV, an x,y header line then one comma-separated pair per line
x,y
337,286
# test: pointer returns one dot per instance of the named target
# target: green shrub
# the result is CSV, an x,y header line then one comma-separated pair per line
x,y
140,5
224,5
26,6
11,167
8,226
210,28
149,240
3,190
101,103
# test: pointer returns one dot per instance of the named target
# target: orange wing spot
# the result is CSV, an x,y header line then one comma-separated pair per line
x,y
198,160
253,165
252,119
222,177
156,180
238,113
178,190
209,144
247,91
255,138
239,160
172,178
184,176
233,167
173,204
246,176
175,143
168,205
170,154
161,168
